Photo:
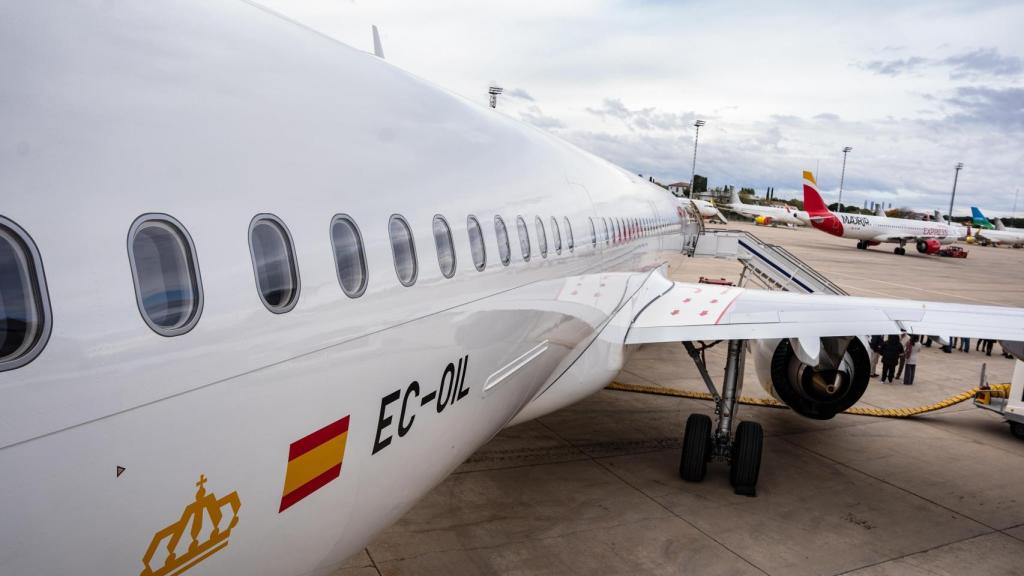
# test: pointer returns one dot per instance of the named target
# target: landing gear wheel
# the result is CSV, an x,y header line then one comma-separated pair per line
x,y
861,245
693,462
746,458
900,251
1017,429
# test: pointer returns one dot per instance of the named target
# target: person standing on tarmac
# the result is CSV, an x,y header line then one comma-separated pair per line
x,y
891,352
904,339
913,349
876,352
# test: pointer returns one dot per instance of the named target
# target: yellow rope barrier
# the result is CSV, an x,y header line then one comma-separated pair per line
x,y
772,403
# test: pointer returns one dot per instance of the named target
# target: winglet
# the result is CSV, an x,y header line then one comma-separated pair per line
x,y
378,49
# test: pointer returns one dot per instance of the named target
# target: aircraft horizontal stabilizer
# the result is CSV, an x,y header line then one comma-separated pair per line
x,y
689,312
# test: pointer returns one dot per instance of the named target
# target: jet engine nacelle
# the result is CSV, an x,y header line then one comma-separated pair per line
x,y
818,378
929,246
763,220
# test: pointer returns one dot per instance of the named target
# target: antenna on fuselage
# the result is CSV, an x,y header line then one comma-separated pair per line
x,y
494,91
378,49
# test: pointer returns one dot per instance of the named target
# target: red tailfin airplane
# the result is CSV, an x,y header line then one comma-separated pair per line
x,y
873,230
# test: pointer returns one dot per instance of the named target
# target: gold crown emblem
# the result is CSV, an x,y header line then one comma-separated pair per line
x,y
208,529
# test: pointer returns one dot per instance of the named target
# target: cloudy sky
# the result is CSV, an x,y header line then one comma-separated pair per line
x,y
913,86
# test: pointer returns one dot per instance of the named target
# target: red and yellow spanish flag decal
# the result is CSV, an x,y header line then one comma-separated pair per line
x,y
313,461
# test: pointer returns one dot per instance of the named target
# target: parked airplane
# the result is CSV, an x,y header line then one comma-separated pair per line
x,y
708,210
873,230
766,215
978,220
259,288
995,234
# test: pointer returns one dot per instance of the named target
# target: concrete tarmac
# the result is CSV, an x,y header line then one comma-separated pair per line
x,y
594,488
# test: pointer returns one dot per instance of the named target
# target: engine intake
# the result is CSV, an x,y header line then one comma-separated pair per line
x,y
929,246
820,392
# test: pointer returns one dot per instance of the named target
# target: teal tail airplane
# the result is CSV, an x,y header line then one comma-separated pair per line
x,y
979,221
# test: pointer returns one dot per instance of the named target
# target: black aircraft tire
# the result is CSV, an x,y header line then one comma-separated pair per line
x,y
746,458
861,245
1017,429
693,462
899,251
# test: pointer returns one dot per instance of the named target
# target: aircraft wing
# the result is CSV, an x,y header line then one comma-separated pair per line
x,y
687,312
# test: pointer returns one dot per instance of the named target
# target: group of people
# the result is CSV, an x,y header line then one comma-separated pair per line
x,y
898,355
964,345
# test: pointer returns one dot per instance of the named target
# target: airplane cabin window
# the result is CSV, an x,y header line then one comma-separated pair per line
x,y
167,284
593,233
349,257
445,246
476,243
542,238
501,232
570,242
556,235
607,233
273,261
403,249
24,304
524,237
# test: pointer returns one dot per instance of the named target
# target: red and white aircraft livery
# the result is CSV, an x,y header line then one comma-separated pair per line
x,y
927,236
260,292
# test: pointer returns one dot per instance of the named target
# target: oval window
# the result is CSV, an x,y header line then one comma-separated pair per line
x,y
593,233
167,285
24,305
570,242
524,237
273,261
403,249
349,258
501,232
476,243
445,246
556,235
542,238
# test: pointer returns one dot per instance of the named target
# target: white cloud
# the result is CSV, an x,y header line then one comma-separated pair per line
x,y
783,87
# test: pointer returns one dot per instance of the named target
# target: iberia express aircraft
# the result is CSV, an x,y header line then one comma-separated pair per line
x,y
927,236
261,291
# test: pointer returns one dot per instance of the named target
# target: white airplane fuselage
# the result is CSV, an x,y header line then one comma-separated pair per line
x,y
776,215
212,114
882,228
1008,236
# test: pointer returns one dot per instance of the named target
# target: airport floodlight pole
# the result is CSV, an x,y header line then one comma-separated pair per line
x,y
693,170
842,176
494,91
956,175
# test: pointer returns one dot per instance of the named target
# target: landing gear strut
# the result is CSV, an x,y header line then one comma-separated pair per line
x,y
703,443
901,250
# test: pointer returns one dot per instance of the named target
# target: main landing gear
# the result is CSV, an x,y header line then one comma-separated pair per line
x,y
703,443
901,249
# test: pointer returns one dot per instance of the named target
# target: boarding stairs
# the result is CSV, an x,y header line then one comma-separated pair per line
x,y
767,265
